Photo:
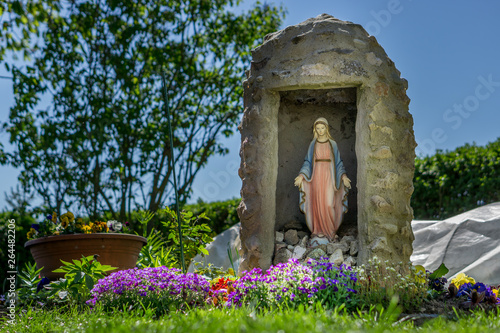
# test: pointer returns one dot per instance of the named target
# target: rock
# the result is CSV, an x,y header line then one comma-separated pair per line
x,y
380,245
304,241
345,246
291,237
298,252
391,229
279,246
350,261
372,59
348,239
302,234
290,247
282,256
332,247
382,153
279,236
353,248
317,253
337,257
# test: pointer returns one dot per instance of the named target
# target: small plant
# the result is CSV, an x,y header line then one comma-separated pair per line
x,y
155,253
475,294
53,225
211,272
79,278
196,233
220,288
378,282
31,284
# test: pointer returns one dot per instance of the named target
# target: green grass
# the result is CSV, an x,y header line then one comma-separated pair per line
x,y
243,320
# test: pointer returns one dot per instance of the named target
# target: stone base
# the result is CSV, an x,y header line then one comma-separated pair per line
x,y
340,251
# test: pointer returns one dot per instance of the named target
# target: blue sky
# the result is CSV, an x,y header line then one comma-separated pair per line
x,y
449,52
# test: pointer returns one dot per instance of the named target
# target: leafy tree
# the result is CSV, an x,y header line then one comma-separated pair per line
x,y
452,182
102,143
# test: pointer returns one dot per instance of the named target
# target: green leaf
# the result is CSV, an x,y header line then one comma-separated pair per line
x,y
89,282
441,271
78,277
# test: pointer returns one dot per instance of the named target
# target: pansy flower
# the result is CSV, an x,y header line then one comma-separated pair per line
x,y
461,279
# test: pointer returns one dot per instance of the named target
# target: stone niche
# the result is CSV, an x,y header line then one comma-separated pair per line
x,y
328,68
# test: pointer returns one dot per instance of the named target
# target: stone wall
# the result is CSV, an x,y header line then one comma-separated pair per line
x,y
305,62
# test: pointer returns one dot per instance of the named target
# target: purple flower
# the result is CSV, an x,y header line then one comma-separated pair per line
x,y
44,281
36,226
465,289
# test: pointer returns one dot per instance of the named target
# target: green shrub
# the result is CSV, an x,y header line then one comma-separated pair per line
x,y
452,182
222,214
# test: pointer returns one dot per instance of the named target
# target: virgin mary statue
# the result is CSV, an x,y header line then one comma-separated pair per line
x,y
323,184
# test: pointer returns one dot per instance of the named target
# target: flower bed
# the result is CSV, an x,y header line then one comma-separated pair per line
x,y
159,287
292,283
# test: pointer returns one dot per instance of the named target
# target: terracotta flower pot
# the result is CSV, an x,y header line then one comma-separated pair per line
x,y
117,250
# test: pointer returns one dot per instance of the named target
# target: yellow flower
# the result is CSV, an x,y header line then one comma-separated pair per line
x,y
461,279
56,232
99,227
420,275
69,216
64,221
54,217
31,233
87,229
495,291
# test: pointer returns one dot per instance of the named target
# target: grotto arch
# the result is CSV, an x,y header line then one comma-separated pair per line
x,y
334,68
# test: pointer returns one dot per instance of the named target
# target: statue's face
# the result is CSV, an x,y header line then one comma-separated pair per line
x,y
320,129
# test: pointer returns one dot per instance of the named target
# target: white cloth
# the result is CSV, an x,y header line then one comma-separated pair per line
x,y
467,243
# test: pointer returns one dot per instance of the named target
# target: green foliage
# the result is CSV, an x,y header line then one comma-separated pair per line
x,y
452,182
79,279
103,142
23,256
29,278
440,272
222,214
196,233
212,272
379,282
155,253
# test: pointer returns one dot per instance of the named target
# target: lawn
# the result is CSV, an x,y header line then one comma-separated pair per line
x,y
313,319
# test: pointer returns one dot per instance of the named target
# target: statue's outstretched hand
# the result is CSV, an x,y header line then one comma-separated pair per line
x,y
347,182
298,181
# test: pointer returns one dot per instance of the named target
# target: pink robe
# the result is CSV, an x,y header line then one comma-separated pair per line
x,y
323,205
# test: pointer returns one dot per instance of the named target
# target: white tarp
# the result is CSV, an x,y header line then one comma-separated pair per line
x,y
468,243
